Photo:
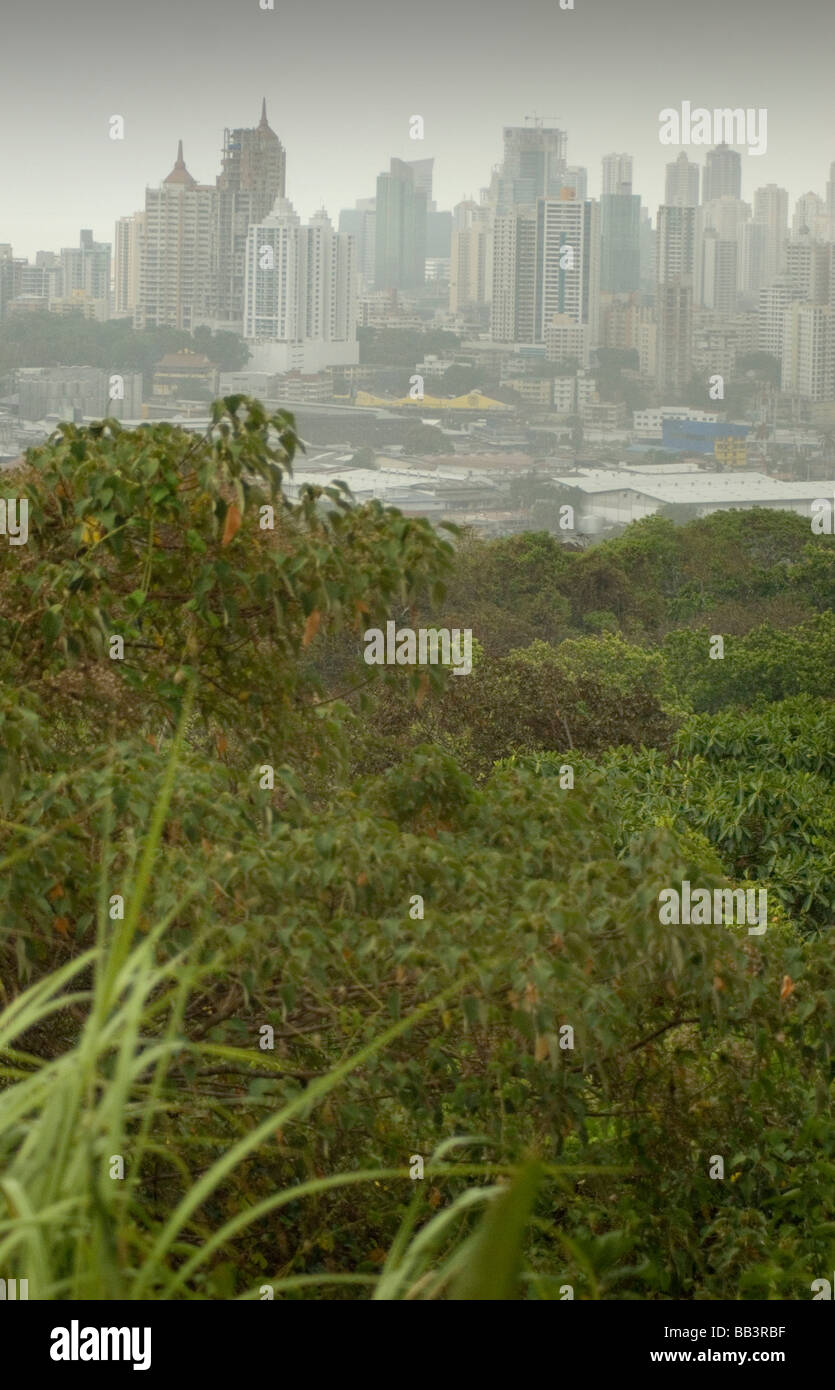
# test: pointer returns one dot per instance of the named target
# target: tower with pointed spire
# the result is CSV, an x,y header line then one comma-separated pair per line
x,y
252,176
180,174
176,251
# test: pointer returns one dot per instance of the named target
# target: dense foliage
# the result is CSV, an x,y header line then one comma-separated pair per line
x,y
436,897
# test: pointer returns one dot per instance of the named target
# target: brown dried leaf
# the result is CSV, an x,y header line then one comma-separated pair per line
x,y
232,524
311,627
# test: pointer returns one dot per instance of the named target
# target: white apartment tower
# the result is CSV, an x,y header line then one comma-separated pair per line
x,y
471,259
568,266
775,299
126,252
806,361
273,304
675,246
617,173
513,298
328,286
771,208
546,263
675,267
682,183
176,252
300,288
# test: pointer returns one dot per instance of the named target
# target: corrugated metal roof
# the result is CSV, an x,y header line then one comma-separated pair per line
x,y
699,487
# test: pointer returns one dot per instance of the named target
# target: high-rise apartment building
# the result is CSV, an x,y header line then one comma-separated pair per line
x,y
299,292
775,299
620,242
719,273
329,284
726,217
513,298
675,269
723,174
126,254
471,274
830,203
534,164
400,234
546,263
647,240
682,183
810,217
806,359
675,246
252,176
574,183
568,265
177,260
274,276
808,268
617,174
755,265
360,222
771,209
674,341
86,268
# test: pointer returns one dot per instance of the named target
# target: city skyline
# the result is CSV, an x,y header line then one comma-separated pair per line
x,y
340,131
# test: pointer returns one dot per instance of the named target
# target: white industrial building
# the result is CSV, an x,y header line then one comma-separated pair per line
x,y
619,496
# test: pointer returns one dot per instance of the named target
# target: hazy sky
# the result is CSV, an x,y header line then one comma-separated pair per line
x,y
343,79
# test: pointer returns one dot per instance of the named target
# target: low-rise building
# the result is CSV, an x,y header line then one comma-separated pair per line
x,y
620,496
179,375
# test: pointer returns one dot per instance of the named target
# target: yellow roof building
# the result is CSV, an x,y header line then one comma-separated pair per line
x,y
474,400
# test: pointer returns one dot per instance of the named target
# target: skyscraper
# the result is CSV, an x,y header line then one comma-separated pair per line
x,y
620,242
546,263
568,265
807,266
830,203
675,247
513,298
806,359
674,315
617,174
755,269
126,253
86,267
675,267
533,166
299,292
775,299
274,276
682,183
723,174
771,208
328,287
811,216
574,182
726,217
360,222
400,250
719,273
470,284
252,176
177,259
